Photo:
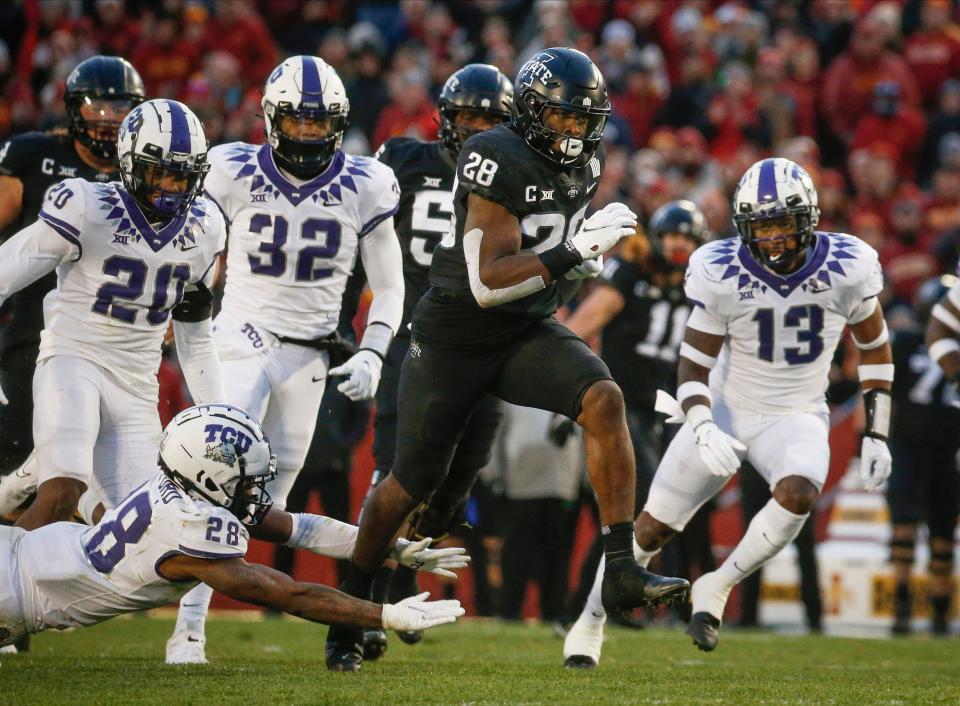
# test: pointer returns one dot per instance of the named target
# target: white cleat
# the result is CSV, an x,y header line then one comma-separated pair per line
x,y
582,645
16,487
186,648
8,650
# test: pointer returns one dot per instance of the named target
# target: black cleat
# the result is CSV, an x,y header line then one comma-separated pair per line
x,y
344,648
23,644
627,585
705,631
374,644
404,584
579,662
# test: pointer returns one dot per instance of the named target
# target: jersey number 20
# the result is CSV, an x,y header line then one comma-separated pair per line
x,y
135,273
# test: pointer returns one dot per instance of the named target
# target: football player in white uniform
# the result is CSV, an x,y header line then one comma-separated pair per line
x,y
770,308
298,211
127,257
190,521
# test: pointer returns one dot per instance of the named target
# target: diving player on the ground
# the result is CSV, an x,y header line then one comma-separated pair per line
x,y
299,212
478,97
127,257
486,324
769,310
188,522
98,94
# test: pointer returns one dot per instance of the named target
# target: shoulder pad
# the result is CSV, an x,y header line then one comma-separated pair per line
x,y
711,261
211,532
65,205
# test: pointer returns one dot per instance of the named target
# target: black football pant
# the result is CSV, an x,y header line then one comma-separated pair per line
x,y
16,418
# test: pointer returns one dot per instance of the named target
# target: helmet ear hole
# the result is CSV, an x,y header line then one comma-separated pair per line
x,y
210,485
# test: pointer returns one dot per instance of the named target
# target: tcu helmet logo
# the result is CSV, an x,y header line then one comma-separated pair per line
x,y
229,435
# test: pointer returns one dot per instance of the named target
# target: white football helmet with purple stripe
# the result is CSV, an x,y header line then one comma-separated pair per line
x,y
305,109
220,453
772,189
163,157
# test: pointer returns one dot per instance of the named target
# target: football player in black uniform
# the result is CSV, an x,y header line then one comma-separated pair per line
x,y
486,324
99,93
924,485
475,98
640,310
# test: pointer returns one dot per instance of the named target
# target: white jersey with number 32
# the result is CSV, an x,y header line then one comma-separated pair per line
x,y
72,575
781,332
293,246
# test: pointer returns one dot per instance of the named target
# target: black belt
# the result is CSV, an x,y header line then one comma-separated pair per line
x,y
340,348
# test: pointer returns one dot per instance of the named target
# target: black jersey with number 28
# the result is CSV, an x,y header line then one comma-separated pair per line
x,y
549,202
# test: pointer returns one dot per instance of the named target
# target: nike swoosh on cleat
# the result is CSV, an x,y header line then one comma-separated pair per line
x,y
318,379
193,639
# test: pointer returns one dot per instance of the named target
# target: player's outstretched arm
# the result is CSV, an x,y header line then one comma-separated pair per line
x,y
196,350
943,335
596,311
259,585
876,379
329,537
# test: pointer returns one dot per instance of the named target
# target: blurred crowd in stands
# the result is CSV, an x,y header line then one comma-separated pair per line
x,y
864,94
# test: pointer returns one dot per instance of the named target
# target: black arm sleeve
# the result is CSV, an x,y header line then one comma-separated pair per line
x,y
197,305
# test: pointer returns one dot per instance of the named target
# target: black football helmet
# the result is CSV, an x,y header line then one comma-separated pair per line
x,y
564,79
102,78
478,87
929,295
682,217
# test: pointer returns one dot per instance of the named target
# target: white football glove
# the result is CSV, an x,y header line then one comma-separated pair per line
x,y
588,270
875,462
603,230
419,557
3,397
718,450
416,613
364,369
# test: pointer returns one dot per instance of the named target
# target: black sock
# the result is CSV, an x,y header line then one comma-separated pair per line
x,y
940,605
358,583
404,584
381,585
617,541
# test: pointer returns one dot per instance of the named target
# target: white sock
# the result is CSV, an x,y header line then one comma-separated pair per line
x,y
87,506
279,488
593,611
192,615
771,529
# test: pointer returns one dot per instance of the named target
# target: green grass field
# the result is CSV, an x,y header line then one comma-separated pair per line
x,y
281,661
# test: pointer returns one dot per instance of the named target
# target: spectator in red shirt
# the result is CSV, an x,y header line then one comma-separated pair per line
x,y
850,78
901,126
114,31
788,106
639,102
933,51
411,112
237,29
832,200
907,255
164,58
735,115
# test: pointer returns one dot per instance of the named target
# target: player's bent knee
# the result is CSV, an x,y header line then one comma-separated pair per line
x,y
651,533
796,494
602,406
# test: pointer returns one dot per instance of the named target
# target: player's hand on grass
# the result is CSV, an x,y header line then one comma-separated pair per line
x,y
364,370
417,613
419,557
603,230
875,462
